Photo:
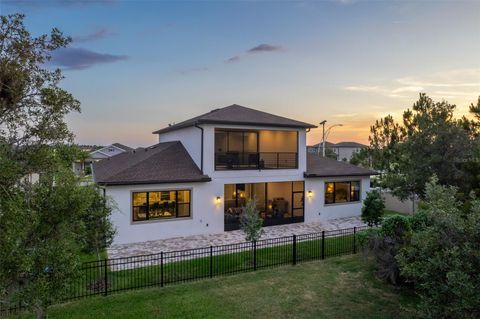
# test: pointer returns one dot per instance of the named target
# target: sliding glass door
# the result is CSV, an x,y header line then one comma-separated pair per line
x,y
277,202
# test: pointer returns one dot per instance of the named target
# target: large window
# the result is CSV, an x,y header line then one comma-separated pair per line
x,y
342,192
263,149
160,205
277,202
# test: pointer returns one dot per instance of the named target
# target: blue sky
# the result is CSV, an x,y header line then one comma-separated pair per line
x,y
138,65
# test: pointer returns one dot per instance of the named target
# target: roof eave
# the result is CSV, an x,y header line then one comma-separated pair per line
x,y
312,175
170,129
119,183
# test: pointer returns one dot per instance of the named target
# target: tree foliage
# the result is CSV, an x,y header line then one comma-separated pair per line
x,y
251,223
99,230
373,208
40,232
42,224
32,105
362,158
429,141
442,260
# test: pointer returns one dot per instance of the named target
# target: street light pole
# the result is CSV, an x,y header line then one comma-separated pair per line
x,y
322,123
325,134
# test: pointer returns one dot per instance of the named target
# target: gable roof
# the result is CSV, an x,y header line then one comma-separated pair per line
x,y
237,115
167,162
123,147
318,166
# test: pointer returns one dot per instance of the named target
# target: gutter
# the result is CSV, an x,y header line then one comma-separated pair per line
x,y
119,183
201,146
306,175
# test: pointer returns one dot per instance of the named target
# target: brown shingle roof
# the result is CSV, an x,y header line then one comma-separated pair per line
x,y
161,163
237,115
318,166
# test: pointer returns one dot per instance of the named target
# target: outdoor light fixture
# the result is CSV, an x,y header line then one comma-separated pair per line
x,y
310,194
218,199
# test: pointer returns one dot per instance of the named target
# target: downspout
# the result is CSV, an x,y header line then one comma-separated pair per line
x,y
201,146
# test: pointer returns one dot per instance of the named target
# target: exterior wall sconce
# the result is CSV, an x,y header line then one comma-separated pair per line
x,y
309,194
218,199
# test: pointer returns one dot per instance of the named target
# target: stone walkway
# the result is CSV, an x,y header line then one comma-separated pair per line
x,y
230,237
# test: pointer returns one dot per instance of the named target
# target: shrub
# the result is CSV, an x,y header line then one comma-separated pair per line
x,y
384,244
373,208
251,223
443,257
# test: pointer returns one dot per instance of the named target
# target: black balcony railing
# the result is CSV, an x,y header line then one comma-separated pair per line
x,y
254,160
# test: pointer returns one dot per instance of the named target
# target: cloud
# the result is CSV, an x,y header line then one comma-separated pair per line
x,y
233,59
264,48
261,48
363,88
50,4
97,34
79,59
461,84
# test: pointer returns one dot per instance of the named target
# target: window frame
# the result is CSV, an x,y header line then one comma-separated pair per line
x,y
350,192
147,194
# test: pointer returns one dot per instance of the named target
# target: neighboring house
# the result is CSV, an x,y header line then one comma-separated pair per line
x,y
344,150
202,171
95,154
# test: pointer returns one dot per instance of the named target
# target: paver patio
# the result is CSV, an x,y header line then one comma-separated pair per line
x,y
230,237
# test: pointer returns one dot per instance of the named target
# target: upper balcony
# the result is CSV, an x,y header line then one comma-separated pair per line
x,y
244,149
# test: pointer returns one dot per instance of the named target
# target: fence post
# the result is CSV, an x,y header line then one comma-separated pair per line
x,y
161,269
105,275
254,255
323,244
354,240
294,250
211,261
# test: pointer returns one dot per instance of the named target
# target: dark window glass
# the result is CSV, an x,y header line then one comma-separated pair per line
x,y
355,191
161,205
342,192
329,193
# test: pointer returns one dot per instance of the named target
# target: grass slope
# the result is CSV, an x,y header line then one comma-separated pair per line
x,y
341,287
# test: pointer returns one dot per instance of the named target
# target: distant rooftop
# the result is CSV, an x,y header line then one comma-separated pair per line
x,y
341,144
237,115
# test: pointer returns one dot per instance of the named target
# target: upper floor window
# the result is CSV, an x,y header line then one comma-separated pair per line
x,y
255,149
342,192
160,205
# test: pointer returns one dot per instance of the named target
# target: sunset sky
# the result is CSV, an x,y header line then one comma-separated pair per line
x,y
138,65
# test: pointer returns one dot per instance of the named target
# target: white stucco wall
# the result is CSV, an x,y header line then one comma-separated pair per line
x,y
207,216
317,210
191,138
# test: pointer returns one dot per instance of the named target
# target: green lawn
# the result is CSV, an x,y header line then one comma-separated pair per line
x,y
340,287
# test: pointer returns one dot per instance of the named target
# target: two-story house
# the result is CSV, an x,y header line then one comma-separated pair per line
x,y
343,150
202,171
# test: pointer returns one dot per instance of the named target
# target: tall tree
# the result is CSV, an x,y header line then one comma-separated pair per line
x,y
429,141
32,105
42,224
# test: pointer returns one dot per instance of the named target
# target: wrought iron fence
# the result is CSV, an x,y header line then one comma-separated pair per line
x,y
166,268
